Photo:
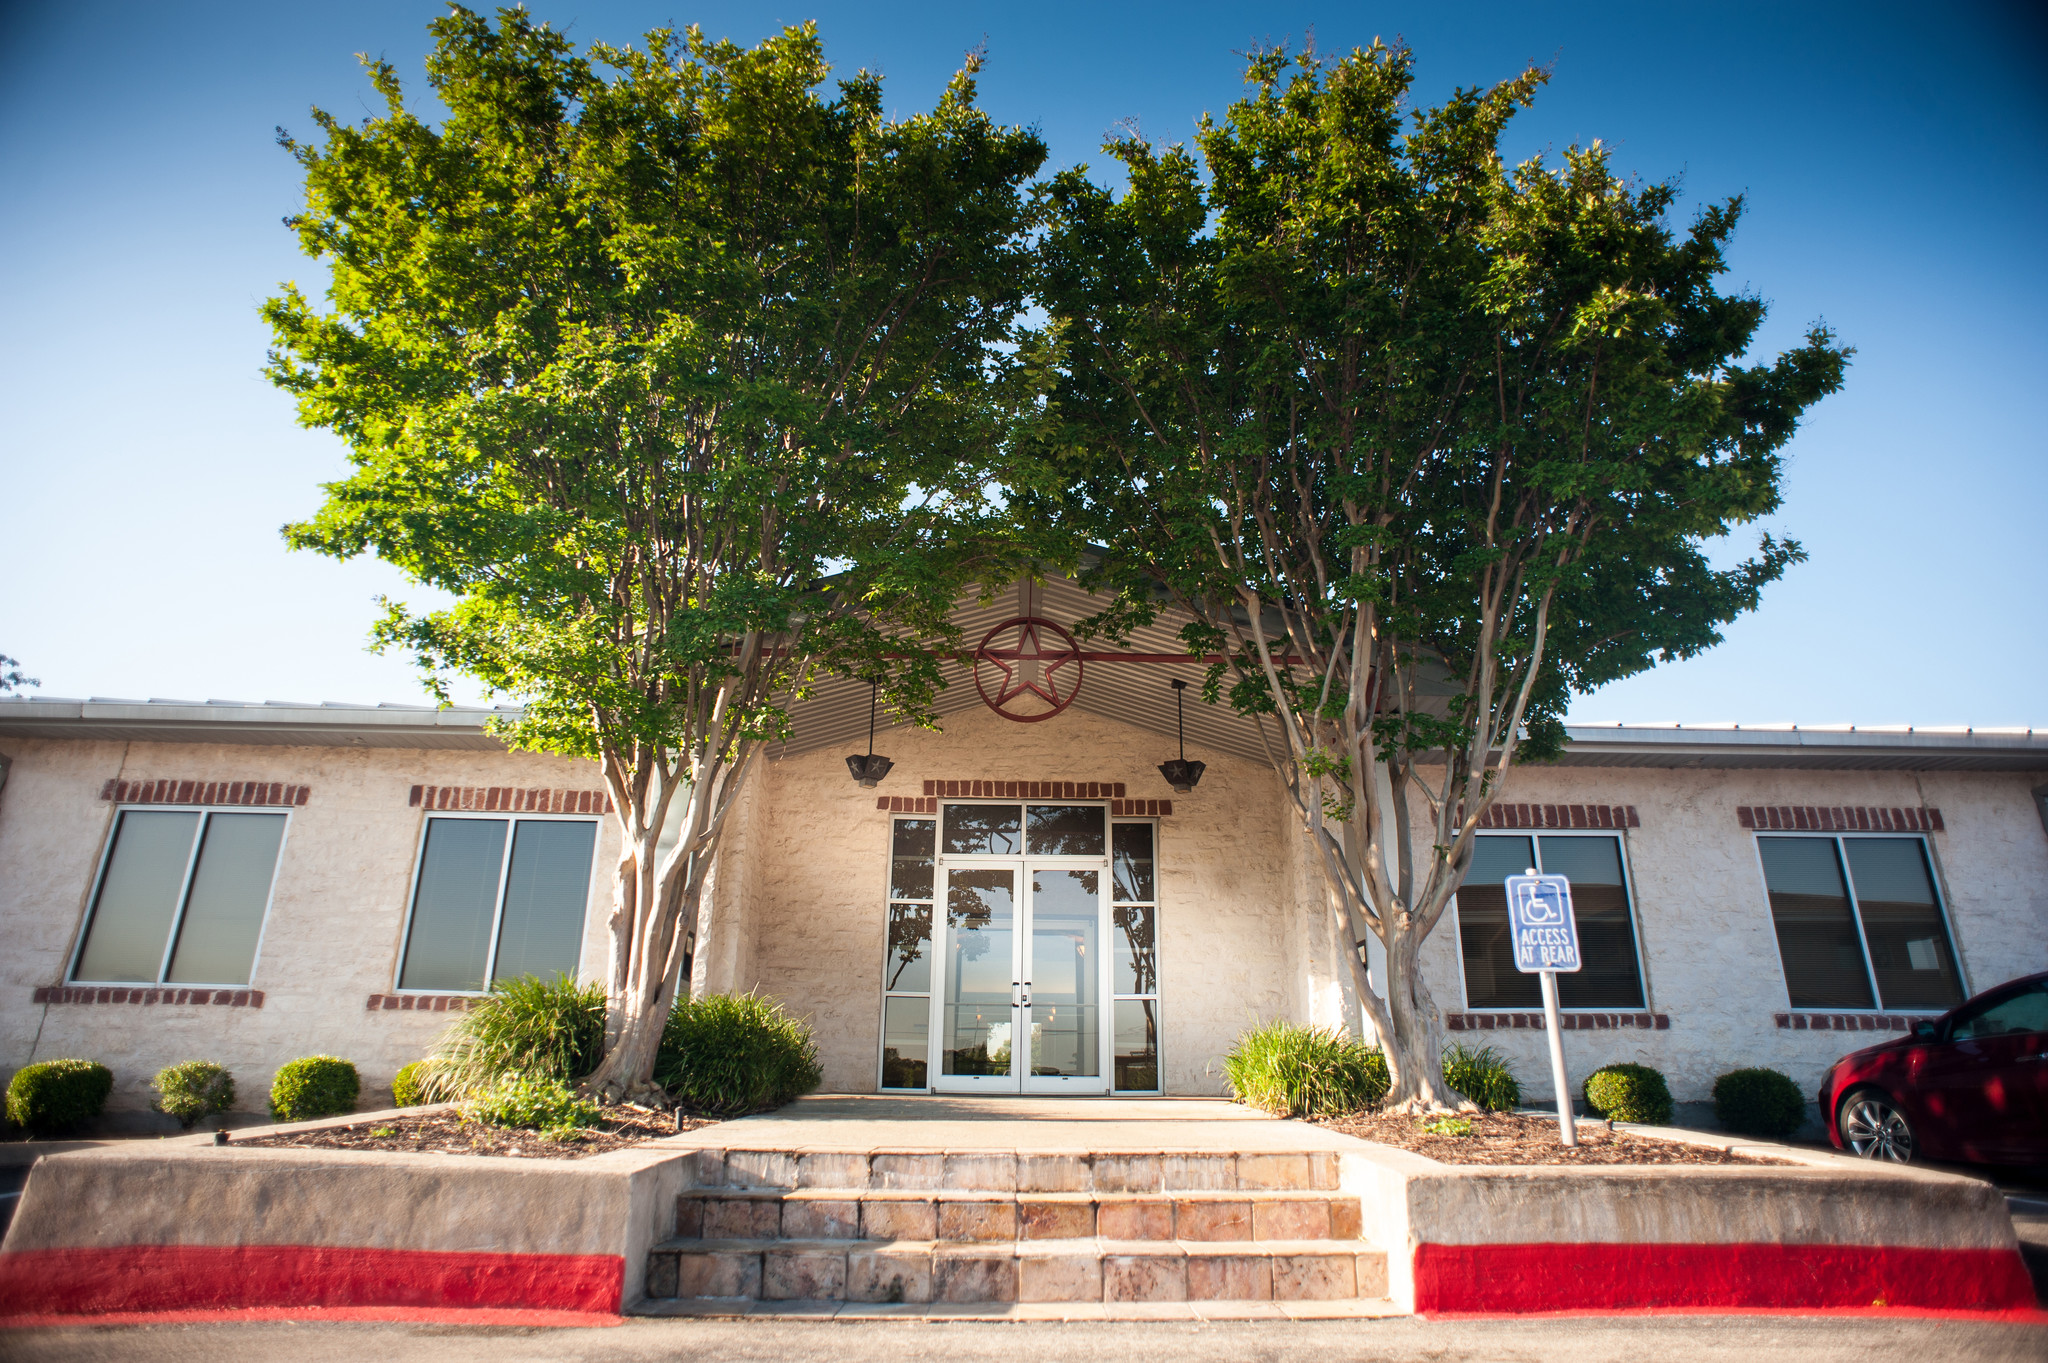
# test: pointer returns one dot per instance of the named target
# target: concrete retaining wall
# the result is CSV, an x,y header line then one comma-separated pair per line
x,y
185,1225
1817,1233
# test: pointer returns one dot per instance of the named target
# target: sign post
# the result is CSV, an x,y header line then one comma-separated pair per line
x,y
1547,941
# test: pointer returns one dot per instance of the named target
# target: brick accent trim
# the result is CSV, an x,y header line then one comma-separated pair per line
x,y
1850,1022
422,1003
1025,790
918,804
1567,1022
1840,819
196,792
510,800
226,998
1559,816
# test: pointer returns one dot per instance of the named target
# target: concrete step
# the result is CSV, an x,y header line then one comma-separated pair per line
x,y
1069,1270
898,1214
1047,1171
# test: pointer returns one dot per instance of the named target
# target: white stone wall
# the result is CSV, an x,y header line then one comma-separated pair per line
x,y
1233,947
1704,920
336,917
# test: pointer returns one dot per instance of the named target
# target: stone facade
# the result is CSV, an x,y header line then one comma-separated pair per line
x,y
796,908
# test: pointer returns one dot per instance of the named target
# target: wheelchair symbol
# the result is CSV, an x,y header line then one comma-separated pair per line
x,y
1541,906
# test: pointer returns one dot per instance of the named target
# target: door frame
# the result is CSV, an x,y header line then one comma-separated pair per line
x,y
942,956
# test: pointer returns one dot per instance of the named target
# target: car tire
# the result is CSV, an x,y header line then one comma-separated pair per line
x,y
1873,1126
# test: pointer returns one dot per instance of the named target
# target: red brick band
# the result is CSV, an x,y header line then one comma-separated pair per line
x,y
1559,816
1567,1022
196,792
1851,1022
1840,818
1025,790
422,1003
1133,809
225,998
511,800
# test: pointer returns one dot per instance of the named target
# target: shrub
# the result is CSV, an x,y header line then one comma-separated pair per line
x,y
531,1102
405,1086
1483,1076
1629,1093
1759,1103
1292,1070
56,1095
192,1090
726,1054
314,1086
546,1029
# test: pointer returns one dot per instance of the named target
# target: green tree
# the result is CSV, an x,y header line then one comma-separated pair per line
x,y
1425,442
680,376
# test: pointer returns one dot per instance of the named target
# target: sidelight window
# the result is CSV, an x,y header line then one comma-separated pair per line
x,y
907,970
1134,965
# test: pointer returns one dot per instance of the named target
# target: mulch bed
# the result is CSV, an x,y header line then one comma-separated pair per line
x,y
450,1133
1508,1138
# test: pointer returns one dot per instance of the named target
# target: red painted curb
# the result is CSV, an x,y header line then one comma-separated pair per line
x,y
414,1315
154,1278
1528,1279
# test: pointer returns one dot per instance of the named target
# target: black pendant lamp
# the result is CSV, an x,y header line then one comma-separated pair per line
x,y
870,770
1180,773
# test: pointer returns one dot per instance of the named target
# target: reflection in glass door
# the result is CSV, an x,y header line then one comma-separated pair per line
x,y
980,997
1064,1038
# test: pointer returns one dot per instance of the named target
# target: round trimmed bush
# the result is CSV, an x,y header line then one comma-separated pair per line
x,y
728,1054
1291,1070
1483,1076
314,1086
1629,1093
192,1090
532,1103
405,1086
1759,1102
51,1096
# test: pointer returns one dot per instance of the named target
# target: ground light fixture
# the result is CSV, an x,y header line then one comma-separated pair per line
x,y
1180,773
870,770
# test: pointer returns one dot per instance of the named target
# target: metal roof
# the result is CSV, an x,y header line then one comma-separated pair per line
x,y
1137,693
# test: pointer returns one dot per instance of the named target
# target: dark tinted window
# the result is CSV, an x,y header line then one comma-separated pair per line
x,y
993,830
1065,830
1816,932
1909,945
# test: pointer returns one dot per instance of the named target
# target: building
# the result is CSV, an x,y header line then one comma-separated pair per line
x,y
252,883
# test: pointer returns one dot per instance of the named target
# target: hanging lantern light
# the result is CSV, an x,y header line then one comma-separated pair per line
x,y
1180,773
870,770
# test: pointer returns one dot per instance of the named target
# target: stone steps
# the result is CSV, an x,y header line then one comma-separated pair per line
x,y
1068,1270
819,1231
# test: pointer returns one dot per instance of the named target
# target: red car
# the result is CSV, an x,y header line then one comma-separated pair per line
x,y
1971,1085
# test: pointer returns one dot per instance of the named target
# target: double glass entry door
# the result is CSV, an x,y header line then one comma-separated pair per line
x,y
1022,974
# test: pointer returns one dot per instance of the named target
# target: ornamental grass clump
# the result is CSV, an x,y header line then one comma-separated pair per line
x,y
192,1090
728,1054
544,1029
533,1103
1629,1093
53,1096
1483,1076
314,1086
1759,1102
1291,1070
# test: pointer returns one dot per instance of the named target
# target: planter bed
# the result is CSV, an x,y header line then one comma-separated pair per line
x,y
1518,1138
445,1131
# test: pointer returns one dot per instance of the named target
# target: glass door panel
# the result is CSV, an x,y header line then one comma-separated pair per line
x,y
1064,979
977,1012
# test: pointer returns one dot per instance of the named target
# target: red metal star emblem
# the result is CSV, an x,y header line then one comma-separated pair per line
x,y
1025,658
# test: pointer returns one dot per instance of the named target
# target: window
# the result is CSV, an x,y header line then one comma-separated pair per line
x,y
1859,923
1134,964
907,971
181,898
1611,973
496,899
2019,1014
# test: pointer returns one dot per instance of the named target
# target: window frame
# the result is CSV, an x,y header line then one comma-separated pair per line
x,y
1156,997
419,862
1628,887
1948,929
931,947
163,965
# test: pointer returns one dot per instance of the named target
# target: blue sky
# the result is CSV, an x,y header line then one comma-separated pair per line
x,y
1895,161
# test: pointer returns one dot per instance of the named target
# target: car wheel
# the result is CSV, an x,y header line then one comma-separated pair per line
x,y
1873,1127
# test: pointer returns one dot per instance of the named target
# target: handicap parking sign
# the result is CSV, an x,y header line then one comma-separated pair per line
x,y
1540,916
